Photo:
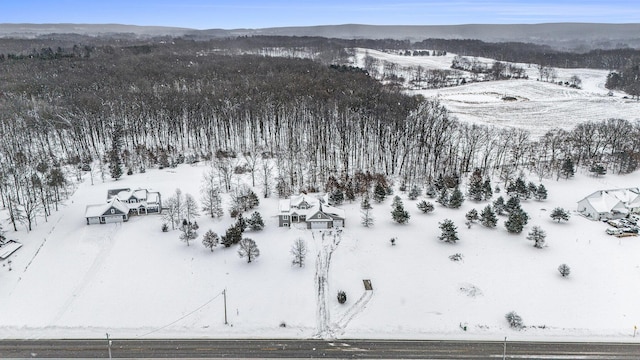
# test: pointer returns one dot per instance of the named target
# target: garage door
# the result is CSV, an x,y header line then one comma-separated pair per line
x,y
338,223
319,225
112,219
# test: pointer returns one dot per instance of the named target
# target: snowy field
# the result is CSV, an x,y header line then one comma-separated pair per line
x,y
132,280
540,106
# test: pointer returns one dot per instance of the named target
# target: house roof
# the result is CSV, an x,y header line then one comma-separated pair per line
x,y
101,209
8,248
615,199
332,212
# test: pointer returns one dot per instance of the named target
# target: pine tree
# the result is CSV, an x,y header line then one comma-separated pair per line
x,y
456,199
472,215
210,240
252,200
414,193
476,186
532,189
232,236
488,217
537,235
365,204
425,206
431,191
336,196
255,222
299,252
248,249
399,214
379,193
365,210
486,189
443,198
241,223
499,206
518,188
559,214
516,221
541,193
512,204
449,231
597,170
564,270
568,168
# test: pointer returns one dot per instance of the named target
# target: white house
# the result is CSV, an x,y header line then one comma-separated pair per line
x,y
316,213
139,201
111,212
610,204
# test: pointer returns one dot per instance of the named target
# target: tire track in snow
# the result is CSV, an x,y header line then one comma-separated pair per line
x,y
354,310
105,238
328,243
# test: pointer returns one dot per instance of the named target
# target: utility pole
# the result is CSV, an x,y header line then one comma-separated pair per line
x,y
224,292
109,345
504,349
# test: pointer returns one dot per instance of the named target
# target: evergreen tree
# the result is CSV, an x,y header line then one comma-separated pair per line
x,y
439,183
299,252
532,189
365,209
241,223
476,186
431,191
512,204
252,200
349,191
248,249
456,199
399,214
425,206
568,168
414,192
516,221
396,201
537,235
486,189
559,214
518,188
541,193
499,206
449,231
336,196
255,222
379,193
443,198
597,170
232,236
488,217
115,162
472,215
210,240
564,270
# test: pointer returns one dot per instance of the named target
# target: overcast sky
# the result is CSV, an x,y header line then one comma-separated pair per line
x,y
230,14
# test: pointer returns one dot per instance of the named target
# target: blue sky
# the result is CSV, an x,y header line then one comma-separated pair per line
x,y
229,14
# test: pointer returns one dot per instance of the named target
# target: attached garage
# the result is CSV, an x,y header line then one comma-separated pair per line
x,y
319,225
112,212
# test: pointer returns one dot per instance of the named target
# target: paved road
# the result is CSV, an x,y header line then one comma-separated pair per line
x,y
301,349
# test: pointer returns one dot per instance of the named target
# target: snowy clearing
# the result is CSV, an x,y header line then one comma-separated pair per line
x,y
132,280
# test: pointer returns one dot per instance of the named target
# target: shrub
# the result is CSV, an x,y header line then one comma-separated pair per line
x,y
342,297
165,227
515,321
564,270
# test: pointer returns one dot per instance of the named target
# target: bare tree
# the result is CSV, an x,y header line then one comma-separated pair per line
x,y
248,249
299,252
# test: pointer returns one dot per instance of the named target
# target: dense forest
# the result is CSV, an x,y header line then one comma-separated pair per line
x,y
141,106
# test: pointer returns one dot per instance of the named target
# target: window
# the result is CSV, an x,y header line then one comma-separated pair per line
x,y
285,224
285,217
113,211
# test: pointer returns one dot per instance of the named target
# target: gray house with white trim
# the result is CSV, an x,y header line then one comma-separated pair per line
x,y
316,213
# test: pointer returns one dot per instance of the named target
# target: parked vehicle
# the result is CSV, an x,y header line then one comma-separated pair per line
x,y
614,231
634,218
615,223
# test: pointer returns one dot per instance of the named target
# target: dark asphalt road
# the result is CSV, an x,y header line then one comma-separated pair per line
x,y
304,349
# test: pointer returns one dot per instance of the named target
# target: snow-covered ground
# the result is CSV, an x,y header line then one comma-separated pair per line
x,y
132,280
540,105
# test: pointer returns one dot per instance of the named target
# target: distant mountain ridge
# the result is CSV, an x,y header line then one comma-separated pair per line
x,y
559,35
